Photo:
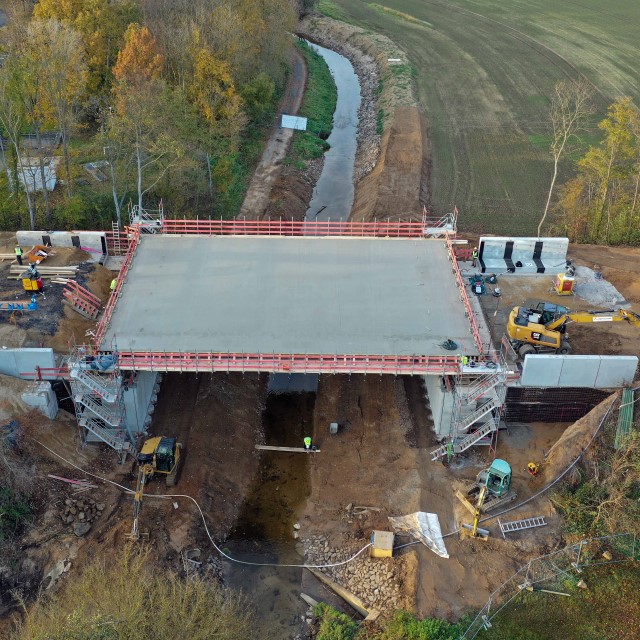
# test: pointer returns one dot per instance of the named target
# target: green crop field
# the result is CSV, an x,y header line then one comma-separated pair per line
x,y
485,71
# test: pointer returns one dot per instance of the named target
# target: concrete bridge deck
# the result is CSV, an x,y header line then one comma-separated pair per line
x,y
290,297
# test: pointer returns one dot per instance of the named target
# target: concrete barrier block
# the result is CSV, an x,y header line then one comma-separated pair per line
x,y
616,371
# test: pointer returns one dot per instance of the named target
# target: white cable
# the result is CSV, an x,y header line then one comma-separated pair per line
x,y
93,475
204,522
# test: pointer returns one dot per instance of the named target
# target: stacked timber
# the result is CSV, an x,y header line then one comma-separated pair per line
x,y
16,271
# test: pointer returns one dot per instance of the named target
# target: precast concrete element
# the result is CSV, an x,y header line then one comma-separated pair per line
x,y
92,241
16,362
441,405
535,255
595,372
289,295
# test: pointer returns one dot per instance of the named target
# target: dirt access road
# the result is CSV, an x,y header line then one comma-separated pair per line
x,y
269,168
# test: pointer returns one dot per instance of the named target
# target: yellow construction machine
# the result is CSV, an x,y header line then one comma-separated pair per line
x,y
158,455
540,328
491,490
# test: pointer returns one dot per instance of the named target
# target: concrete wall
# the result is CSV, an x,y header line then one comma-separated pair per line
x,y
595,372
441,403
139,402
41,396
91,241
13,362
538,255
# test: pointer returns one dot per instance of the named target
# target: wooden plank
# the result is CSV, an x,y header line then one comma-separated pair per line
x,y
471,508
312,602
346,595
264,447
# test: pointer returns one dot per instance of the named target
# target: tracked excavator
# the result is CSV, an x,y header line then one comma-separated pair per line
x,y
159,455
491,490
542,327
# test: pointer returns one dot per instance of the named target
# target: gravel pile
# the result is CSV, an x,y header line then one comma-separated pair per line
x,y
597,291
376,581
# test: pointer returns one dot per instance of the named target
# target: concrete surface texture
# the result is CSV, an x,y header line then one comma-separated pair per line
x,y
359,296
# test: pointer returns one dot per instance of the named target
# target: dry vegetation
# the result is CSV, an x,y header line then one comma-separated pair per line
x,y
129,598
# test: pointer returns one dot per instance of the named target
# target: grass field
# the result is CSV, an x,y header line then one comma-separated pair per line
x,y
485,70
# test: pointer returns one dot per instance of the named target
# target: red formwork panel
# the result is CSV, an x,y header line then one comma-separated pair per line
x,y
287,363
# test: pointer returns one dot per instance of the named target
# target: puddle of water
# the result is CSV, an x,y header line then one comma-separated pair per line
x,y
264,530
333,195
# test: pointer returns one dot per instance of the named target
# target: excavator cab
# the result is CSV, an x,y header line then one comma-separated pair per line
x,y
549,311
497,478
160,455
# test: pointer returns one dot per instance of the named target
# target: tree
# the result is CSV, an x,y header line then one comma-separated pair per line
x,y
139,60
129,596
306,7
13,120
101,23
56,49
570,108
600,204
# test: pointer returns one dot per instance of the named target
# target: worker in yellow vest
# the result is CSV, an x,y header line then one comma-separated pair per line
x,y
19,254
307,444
474,256
112,287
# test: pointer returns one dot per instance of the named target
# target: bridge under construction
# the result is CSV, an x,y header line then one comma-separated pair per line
x,y
308,303
288,297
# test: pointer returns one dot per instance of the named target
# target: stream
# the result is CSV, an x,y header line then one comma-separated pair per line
x,y
334,192
264,532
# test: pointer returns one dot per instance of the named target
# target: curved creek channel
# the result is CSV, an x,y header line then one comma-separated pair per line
x,y
264,532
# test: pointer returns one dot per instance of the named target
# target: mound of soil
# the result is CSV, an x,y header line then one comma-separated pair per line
x,y
574,440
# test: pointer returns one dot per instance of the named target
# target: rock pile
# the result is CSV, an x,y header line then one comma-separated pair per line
x,y
378,582
81,513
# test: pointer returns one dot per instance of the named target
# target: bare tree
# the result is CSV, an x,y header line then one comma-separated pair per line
x,y
568,115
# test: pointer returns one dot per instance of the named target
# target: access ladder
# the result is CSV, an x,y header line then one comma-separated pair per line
x,y
520,525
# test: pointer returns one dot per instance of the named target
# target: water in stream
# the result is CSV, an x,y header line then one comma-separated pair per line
x,y
264,531
333,195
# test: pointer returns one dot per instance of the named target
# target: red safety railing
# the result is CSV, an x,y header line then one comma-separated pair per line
x,y
46,373
462,254
387,229
287,363
464,297
134,240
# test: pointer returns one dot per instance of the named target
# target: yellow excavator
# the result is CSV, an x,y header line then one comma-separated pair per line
x,y
542,327
158,455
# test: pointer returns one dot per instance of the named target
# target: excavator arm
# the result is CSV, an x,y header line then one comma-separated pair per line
x,y
610,315
144,473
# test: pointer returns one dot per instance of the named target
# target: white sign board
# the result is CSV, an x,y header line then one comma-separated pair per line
x,y
293,122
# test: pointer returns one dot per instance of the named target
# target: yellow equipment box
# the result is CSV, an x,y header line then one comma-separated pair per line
x,y
564,284
32,284
381,544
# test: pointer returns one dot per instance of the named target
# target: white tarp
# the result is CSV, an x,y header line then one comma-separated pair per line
x,y
425,527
